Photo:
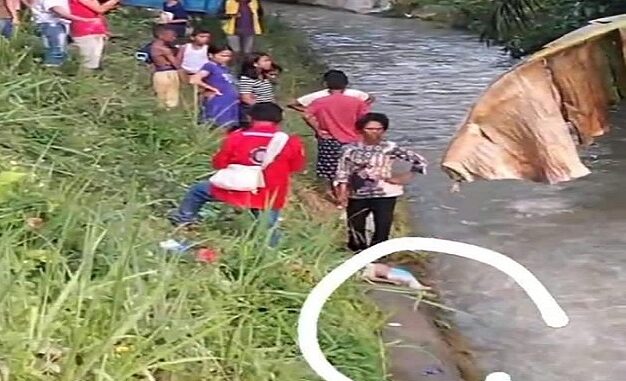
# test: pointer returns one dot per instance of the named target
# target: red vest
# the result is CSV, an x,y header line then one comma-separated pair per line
x,y
247,147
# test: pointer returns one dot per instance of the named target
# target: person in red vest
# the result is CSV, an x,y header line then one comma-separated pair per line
x,y
90,37
248,147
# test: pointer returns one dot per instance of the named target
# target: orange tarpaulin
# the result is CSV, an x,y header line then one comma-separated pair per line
x,y
577,73
528,123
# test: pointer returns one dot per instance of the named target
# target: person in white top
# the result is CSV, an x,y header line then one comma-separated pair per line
x,y
300,104
52,18
194,55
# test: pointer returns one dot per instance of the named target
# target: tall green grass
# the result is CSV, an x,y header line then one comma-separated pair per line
x,y
88,168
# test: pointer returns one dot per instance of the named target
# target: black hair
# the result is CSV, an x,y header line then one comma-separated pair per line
x,y
247,67
266,112
218,48
198,31
160,29
249,70
373,117
336,80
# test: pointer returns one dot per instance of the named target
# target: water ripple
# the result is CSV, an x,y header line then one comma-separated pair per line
x,y
572,235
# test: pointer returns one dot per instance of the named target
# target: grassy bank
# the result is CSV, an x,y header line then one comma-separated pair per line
x,y
88,168
519,26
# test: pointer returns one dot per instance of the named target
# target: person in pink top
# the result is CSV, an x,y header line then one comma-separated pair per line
x,y
90,37
333,118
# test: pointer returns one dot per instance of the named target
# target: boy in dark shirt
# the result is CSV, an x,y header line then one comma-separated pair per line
x,y
165,79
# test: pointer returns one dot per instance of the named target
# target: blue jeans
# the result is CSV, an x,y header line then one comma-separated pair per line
x,y
6,28
54,38
199,194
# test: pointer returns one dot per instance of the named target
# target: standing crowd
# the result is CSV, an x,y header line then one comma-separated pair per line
x,y
256,161
57,21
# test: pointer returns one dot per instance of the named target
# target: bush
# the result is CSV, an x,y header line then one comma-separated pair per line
x,y
523,26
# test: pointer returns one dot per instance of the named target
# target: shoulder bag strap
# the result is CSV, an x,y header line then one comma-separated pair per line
x,y
274,148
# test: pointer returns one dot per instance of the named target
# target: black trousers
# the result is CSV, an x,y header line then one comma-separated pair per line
x,y
358,210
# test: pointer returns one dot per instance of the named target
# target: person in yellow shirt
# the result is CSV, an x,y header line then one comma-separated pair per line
x,y
242,24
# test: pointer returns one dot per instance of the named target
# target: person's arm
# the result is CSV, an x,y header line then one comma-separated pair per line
x,y
418,165
362,95
103,8
311,120
296,106
310,117
364,108
64,13
222,158
181,53
13,7
169,56
260,12
298,159
246,90
417,161
342,178
301,103
197,79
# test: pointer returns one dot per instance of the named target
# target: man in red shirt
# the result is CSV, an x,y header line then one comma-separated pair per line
x,y
248,147
333,118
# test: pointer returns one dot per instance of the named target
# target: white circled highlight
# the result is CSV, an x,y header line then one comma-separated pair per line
x,y
550,311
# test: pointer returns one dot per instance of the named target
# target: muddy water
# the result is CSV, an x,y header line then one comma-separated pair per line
x,y
572,236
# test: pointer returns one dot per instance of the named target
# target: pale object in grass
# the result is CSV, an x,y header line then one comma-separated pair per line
x,y
552,314
379,272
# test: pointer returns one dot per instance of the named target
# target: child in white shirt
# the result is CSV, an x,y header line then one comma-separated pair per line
x,y
195,54
304,101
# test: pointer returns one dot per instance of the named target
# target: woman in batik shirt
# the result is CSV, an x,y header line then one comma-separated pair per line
x,y
366,181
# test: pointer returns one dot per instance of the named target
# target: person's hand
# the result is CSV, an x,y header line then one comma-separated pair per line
x,y
15,21
341,201
341,196
91,20
209,94
402,179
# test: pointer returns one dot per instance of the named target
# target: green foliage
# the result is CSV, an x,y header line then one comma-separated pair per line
x,y
88,167
524,26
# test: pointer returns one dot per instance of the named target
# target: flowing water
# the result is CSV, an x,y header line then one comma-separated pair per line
x,y
571,236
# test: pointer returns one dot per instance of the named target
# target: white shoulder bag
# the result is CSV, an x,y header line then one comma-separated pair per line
x,y
249,178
